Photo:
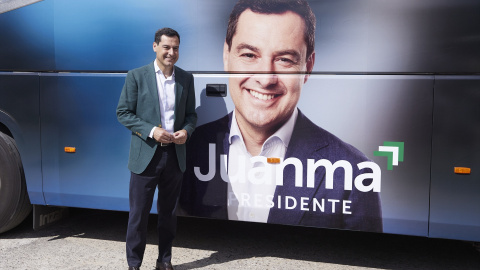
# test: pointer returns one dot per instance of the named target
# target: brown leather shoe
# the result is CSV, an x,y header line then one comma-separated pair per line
x,y
164,266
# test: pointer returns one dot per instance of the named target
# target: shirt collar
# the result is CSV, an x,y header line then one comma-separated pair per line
x,y
159,71
284,133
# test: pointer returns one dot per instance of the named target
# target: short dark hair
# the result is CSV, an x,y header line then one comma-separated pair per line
x,y
300,7
169,32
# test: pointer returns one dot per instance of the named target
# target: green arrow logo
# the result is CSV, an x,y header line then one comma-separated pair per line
x,y
393,151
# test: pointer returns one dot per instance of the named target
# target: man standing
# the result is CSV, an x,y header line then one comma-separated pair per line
x,y
157,104
270,48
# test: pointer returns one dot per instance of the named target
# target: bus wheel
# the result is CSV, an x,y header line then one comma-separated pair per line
x,y
14,203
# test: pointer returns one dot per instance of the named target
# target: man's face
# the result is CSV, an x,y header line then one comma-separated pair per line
x,y
270,44
167,51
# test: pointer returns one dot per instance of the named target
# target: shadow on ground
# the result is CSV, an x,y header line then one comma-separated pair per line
x,y
232,241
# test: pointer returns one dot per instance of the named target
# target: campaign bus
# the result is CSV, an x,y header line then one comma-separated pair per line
x,y
357,115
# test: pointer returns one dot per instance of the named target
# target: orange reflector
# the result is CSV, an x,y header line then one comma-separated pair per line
x,y
70,149
273,160
462,170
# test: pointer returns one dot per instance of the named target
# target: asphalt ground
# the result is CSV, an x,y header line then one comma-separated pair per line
x,y
95,239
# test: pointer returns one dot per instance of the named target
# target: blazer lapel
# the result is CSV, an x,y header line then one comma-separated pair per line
x,y
222,139
225,139
304,144
178,90
151,80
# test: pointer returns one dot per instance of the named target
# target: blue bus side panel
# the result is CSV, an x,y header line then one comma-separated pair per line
x,y
19,112
455,198
28,41
78,111
108,35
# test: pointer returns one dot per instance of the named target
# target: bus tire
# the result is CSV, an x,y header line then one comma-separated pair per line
x,y
14,202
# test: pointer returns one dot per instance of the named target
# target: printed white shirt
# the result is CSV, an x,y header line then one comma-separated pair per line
x,y
252,181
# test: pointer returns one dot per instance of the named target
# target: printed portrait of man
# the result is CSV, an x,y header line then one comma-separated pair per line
x,y
266,161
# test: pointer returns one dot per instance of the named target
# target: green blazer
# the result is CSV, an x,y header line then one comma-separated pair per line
x,y
139,110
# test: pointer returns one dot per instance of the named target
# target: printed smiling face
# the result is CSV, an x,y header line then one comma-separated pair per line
x,y
269,51
166,51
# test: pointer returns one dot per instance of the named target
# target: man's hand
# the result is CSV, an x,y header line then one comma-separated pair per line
x,y
180,137
162,136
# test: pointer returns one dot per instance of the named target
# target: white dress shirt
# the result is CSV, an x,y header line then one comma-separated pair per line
x,y
251,187
166,99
